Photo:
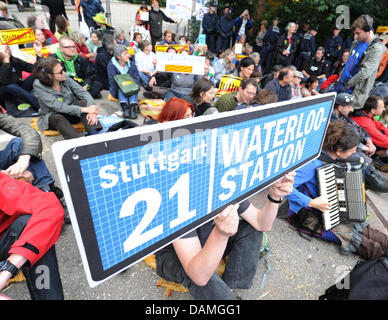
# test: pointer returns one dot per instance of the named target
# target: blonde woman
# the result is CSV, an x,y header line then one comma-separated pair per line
x,y
224,66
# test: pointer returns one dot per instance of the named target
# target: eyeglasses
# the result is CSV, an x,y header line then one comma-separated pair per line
x,y
60,72
69,47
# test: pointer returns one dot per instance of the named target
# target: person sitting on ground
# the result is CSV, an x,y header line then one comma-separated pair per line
x,y
120,37
317,66
146,64
231,100
182,84
6,20
121,64
343,107
263,97
201,97
176,109
337,68
39,43
36,22
224,66
63,101
365,117
245,68
236,233
270,76
103,56
94,41
63,28
295,85
310,87
31,222
80,43
256,59
240,44
167,39
306,204
12,86
77,67
281,85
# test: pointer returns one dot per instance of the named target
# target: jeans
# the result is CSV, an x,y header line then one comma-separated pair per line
x,y
145,78
39,286
128,100
14,91
243,250
38,168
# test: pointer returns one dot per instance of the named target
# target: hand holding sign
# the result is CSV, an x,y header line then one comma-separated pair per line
x,y
283,187
227,221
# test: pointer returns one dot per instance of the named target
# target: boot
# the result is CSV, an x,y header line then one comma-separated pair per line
x,y
132,111
125,108
374,181
380,163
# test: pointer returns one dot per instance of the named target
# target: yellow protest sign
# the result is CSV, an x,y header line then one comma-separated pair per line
x,y
228,83
177,47
239,57
45,50
17,36
382,29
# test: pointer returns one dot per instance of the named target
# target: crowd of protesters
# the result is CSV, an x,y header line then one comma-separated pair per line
x,y
277,64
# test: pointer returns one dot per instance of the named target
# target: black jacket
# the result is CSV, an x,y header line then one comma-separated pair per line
x,y
155,20
56,7
12,72
103,57
209,23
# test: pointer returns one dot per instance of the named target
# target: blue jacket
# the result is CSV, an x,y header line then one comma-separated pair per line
x,y
113,70
271,36
225,26
237,24
210,23
333,46
305,189
91,7
307,43
274,86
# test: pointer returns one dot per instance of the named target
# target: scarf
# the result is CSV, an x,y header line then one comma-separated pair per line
x,y
69,64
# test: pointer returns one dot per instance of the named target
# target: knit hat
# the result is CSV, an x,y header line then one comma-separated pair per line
x,y
100,18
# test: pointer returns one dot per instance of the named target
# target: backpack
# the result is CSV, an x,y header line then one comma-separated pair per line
x,y
367,281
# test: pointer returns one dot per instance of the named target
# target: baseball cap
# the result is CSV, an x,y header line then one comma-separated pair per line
x,y
345,99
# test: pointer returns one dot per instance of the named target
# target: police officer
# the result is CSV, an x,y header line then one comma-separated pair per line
x,y
307,46
333,45
269,44
209,25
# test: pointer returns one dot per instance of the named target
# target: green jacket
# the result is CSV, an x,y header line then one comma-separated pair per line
x,y
227,102
364,79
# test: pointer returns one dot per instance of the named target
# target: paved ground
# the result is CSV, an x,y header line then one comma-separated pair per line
x,y
299,269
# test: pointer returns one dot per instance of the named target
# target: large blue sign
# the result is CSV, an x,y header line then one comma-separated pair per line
x,y
134,191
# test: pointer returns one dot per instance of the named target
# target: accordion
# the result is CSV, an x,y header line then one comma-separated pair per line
x,y
343,184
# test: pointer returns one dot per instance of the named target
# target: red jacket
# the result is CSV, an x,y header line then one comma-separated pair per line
x,y
19,198
377,131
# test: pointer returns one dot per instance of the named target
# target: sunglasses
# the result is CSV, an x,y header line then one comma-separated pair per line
x,y
60,72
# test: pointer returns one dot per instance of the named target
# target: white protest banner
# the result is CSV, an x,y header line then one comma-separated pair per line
x,y
179,8
133,192
180,63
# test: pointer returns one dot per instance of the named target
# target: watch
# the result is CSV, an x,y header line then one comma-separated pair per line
x,y
10,267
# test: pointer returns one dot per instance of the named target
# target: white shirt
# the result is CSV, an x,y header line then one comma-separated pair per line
x,y
144,62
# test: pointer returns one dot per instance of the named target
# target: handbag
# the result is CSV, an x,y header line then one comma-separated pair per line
x,y
127,84
84,28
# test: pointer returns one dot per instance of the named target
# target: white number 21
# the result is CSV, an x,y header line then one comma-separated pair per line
x,y
153,200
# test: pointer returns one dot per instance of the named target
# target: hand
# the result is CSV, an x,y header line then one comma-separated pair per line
x,y
283,187
321,203
90,109
227,221
152,82
5,53
371,147
92,119
4,277
85,88
17,169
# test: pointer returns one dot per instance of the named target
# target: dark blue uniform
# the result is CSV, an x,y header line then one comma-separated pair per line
x,y
225,32
333,47
209,26
269,44
307,49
